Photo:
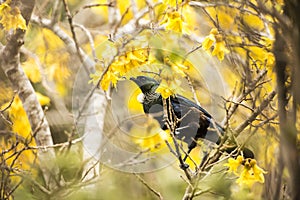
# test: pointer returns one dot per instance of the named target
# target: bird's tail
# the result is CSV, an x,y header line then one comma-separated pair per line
x,y
214,132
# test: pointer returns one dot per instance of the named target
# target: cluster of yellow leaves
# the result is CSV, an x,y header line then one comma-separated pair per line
x,y
51,60
124,8
215,39
55,59
171,74
262,56
31,70
121,65
178,17
172,3
11,17
252,20
174,21
155,142
271,4
247,170
168,86
172,71
18,115
56,70
227,15
21,126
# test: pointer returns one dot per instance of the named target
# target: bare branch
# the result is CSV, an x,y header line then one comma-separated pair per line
x,y
148,186
10,63
254,84
109,4
70,20
91,41
46,23
256,112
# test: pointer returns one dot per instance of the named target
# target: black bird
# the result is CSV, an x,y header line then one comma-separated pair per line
x,y
192,121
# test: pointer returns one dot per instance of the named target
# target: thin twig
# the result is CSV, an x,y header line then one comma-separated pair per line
x,y
93,6
148,186
70,20
242,96
56,145
120,21
7,107
10,102
193,90
193,50
256,112
170,121
90,38
89,169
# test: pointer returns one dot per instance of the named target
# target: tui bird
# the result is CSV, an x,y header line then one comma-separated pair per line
x,y
192,121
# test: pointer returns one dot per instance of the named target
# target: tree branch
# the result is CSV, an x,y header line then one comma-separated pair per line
x,y
156,193
256,112
10,63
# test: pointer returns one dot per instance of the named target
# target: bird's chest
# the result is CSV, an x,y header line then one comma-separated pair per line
x,y
154,107
157,110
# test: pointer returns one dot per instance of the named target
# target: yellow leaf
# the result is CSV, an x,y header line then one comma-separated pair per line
x,y
172,3
44,100
95,77
122,65
179,69
164,91
251,172
19,118
156,140
253,21
31,70
4,9
168,87
210,39
224,15
175,22
208,42
12,18
220,50
109,77
246,178
233,164
258,172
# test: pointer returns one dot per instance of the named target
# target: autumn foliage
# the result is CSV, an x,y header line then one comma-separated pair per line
x,y
237,59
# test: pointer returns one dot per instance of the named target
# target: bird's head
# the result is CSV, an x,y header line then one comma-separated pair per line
x,y
146,84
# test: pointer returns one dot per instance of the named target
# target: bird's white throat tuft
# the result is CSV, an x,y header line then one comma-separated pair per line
x,y
141,98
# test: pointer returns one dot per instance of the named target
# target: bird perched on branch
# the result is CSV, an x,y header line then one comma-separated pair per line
x,y
190,121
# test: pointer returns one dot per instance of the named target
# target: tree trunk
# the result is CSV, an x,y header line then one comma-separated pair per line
x,y
10,63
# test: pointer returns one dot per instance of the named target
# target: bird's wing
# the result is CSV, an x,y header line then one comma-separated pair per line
x,y
185,103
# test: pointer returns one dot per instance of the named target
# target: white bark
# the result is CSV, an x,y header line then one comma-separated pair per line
x,y
10,63
95,103
93,129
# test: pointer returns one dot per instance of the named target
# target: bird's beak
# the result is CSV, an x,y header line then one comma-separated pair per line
x,y
135,80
